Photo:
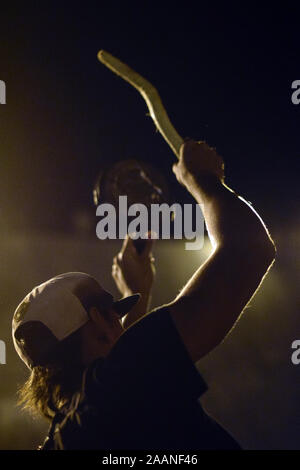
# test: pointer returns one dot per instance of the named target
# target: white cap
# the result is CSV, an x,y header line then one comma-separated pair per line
x,y
57,308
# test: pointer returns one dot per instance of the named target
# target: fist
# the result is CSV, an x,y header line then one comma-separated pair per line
x,y
134,272
197,160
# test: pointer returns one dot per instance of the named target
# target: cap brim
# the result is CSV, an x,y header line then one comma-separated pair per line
x,y
123,306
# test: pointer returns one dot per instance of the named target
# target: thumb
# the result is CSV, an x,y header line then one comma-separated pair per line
x,y
175,168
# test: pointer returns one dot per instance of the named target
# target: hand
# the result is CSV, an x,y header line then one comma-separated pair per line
x,y
133,272
197,161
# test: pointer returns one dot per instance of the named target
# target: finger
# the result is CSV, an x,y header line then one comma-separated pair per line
x,y
131,247
146,253
175,168
176,171
188,145
117,260
125,244
114,271
187,142
181,151
115,265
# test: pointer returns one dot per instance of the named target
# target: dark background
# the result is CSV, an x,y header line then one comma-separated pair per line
x,y
224,74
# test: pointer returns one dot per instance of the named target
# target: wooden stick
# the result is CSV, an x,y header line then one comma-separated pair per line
x,y
150,95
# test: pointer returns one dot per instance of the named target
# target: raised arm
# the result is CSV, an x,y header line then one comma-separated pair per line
x,y
212,300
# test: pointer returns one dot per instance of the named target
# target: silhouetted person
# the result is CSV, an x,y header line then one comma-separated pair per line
x,y
107,383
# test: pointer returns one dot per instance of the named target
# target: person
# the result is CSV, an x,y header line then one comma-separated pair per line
x,y
109,375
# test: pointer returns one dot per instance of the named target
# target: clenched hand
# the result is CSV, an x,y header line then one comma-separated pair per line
x,y
133,272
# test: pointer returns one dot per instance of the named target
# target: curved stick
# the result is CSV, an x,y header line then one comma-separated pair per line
x,y
150,95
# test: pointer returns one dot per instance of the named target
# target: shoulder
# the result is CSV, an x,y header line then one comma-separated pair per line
x,y
151,357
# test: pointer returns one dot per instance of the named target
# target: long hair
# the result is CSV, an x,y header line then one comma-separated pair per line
x,y
51,386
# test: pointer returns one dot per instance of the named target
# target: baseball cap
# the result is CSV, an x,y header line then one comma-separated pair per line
x,y
57,308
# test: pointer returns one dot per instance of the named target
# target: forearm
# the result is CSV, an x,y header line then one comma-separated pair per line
x,y
230,220
243,248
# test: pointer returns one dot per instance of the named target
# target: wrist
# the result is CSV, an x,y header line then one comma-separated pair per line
x,y
205,186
